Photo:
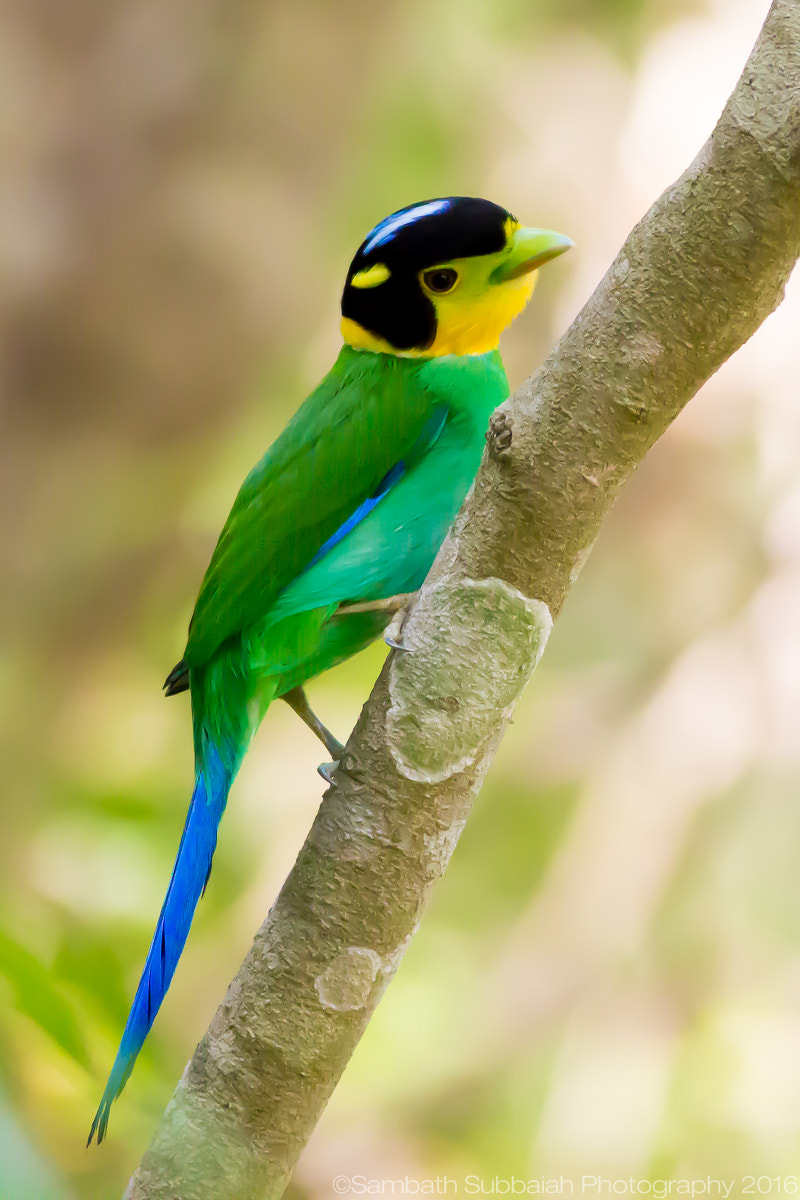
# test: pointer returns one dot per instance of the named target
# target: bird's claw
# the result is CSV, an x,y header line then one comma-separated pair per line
x,y
392,635
326,771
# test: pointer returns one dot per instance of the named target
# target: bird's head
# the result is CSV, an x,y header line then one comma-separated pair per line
x,y
443,277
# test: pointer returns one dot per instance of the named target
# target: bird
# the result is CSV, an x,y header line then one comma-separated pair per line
x,y
336,527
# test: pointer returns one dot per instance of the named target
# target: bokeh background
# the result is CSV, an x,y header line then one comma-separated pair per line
x,y
608,978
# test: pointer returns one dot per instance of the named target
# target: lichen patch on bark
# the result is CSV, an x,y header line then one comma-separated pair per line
x,y
485,621
346,983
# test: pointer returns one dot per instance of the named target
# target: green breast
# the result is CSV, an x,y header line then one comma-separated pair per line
x,y
391,550
370,412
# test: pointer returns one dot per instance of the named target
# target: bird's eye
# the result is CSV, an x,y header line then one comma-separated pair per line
x,y
440,280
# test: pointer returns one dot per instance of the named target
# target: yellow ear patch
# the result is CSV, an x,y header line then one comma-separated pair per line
x,y
510,227
371,277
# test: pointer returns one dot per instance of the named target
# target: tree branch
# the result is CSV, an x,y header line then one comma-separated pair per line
x,y
693,281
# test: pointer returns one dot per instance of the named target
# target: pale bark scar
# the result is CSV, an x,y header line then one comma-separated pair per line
x,y
485,622
346,983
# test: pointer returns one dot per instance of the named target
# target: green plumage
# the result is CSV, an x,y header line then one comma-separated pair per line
x,y
267,614
349,506
369,413
351,503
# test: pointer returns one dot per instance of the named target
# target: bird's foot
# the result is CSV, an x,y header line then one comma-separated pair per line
x,y
296,699
399,605
390,604
326,771
333,746
393,633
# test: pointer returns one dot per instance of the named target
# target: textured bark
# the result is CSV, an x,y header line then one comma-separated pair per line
x,y
694,280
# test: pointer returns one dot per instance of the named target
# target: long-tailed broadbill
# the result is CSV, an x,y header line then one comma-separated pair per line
x,y
344,513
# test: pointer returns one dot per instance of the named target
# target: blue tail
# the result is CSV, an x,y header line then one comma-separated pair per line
x,y
189,877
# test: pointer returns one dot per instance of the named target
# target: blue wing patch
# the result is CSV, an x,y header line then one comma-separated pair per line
x,y
427,438
365,507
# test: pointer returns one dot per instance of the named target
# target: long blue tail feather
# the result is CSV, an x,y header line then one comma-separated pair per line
x,y
187,884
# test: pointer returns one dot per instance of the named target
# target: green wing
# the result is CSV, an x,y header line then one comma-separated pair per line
x,y
368,414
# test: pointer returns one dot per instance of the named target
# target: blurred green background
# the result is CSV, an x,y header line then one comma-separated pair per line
x,y
608,978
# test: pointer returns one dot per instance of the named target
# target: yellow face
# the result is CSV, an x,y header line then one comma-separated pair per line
x,y
470,316
457,306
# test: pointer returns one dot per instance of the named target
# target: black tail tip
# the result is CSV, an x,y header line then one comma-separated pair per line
x,y
99,1124
177,680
